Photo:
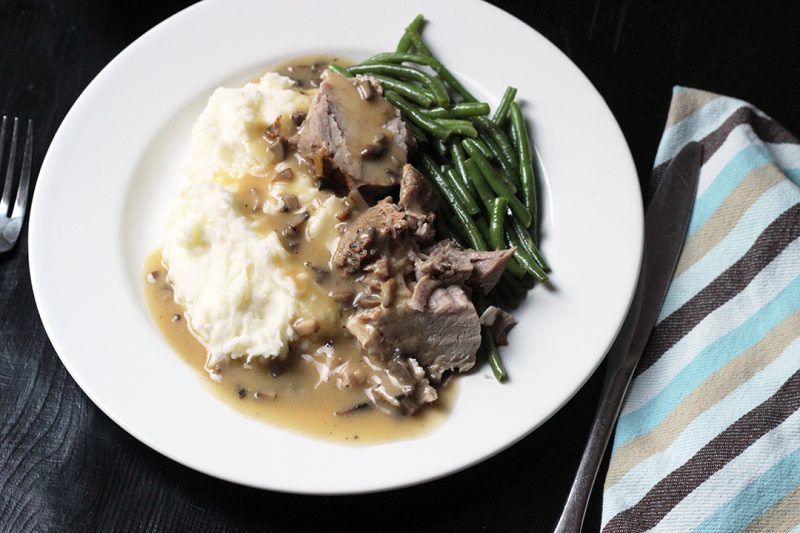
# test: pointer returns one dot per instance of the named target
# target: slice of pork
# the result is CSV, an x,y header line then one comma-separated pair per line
x,y
443,337
419,201
446,262
369,235
355,137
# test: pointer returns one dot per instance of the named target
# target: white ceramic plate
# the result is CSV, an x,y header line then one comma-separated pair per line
x,y
115,162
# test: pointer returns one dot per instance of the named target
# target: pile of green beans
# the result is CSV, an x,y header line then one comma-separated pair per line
x,y
481,164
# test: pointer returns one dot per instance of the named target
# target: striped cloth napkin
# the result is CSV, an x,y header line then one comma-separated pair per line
x,y
709,434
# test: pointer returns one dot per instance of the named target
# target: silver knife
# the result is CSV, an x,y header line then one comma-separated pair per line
x,y
665,225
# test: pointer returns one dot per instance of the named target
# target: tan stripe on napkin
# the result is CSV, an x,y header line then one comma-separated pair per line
x,y
714,389
686,103
779,518
711,458
771,243
728,214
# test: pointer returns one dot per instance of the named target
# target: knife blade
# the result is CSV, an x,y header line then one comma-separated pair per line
x,y
665,227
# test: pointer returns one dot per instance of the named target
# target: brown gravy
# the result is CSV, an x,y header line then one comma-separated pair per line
x,y
306,71
292,395
293,400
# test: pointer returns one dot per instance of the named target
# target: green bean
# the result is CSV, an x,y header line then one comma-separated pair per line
x,y
442,231
457,231
440,69
489,347
524,257
515,268
514,137
338,69
529,245
458,158
417,117
525,165
458,164
501,139
505,103
496,220
460,110
397,58
477,179
416,94
497,184
480,142
406,73
466,240
483,226
440,147
498,156
417,132
458,126
469,203
512,266
405,41
435,175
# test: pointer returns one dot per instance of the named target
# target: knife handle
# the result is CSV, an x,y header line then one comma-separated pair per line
x,y
621,362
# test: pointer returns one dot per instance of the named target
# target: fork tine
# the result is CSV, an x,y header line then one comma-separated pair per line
x,y
9,183
4,206
21,203
3,137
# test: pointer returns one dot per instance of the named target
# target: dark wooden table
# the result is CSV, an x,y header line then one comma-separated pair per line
x,y
64,466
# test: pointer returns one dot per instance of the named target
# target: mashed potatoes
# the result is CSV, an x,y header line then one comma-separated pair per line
x,y
239,285
227,140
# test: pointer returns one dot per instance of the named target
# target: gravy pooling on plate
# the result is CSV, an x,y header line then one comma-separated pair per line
x,y
295,399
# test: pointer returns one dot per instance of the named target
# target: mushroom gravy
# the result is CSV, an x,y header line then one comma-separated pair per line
x,y
290,395
306,71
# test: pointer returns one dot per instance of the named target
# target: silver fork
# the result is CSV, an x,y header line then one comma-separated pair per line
x,y
12,216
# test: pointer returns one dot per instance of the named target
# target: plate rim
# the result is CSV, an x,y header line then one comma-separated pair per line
x,y
56,342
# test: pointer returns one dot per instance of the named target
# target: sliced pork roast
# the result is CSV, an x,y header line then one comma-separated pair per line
x,y
412,300
354,136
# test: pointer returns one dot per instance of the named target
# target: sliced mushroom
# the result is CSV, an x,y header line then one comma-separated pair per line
x,y
293,224
278,149
305,326
285,174
375,149
273,131
298,118
342,296
366,300
364,88
352,409
288,202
